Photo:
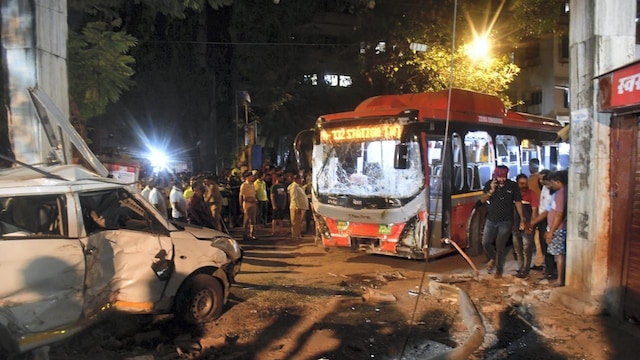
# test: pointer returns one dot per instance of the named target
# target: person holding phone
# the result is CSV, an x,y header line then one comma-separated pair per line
x,y
500,195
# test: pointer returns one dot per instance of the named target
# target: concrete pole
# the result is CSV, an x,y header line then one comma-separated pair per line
x,y
602,38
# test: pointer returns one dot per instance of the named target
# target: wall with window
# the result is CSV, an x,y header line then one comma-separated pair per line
x,y
542,84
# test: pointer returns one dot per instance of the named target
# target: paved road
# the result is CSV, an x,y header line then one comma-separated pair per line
x,y
520,316
294,300
358,261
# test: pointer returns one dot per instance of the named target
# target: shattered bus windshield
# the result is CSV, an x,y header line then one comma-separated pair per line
x,y
365,169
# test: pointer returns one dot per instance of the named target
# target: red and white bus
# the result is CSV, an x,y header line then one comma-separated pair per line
x,y
394,177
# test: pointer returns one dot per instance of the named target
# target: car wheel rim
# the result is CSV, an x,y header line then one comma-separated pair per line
x,y
202,304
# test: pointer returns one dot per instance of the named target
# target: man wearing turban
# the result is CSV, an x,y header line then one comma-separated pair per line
x,y
500,195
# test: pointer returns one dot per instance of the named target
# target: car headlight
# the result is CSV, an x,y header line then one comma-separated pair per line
x,y
229,246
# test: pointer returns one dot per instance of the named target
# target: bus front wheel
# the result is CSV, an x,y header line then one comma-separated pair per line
x,y
475,231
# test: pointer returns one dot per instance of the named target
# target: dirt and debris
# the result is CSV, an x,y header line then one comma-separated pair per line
x,y
293,300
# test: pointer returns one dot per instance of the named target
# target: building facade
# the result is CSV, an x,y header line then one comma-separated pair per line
x,y
542,87
34,41
602,240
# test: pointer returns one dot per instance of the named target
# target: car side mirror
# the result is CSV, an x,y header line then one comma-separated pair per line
x,y
401,157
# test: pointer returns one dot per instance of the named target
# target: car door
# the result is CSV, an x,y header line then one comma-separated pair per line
x,y
128,252
42,267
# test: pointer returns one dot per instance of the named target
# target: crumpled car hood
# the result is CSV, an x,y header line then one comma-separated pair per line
x,y
202,233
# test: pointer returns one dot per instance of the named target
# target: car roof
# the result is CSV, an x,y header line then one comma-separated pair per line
x,y
61,175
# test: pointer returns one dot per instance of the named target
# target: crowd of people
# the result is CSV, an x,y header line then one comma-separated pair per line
x,y
239,199
531,212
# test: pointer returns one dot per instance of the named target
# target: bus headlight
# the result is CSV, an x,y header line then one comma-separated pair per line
x,y
322,227
409,235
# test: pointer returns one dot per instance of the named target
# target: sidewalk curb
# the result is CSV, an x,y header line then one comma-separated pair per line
x,y
576,302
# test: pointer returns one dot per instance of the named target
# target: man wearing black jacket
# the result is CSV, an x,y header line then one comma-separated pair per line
x,y
500,195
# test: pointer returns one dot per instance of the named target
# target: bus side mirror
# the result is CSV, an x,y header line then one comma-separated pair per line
x,y
401,157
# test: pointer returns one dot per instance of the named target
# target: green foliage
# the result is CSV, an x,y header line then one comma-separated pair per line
x,y
398,69
432,70
99,66
536,17
100,60
179,59
490,76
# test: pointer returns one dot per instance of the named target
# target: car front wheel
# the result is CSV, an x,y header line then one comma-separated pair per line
x,y
201,300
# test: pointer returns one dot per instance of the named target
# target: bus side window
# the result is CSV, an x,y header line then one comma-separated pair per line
x,y
502,152
508,151
458,175
484,170
473,177
480,158
529,151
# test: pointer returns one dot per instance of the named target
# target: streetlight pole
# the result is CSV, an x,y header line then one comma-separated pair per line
x,y
246,99
235,99
246,123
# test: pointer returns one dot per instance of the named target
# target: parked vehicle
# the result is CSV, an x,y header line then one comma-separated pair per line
x,y
74,245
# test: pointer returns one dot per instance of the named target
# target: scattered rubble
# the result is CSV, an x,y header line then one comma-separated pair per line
x,y
443,291
452,278
376,296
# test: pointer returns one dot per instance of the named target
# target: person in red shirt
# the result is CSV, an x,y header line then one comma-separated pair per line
x,y
523,239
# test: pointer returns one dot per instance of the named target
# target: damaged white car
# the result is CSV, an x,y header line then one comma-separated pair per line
x,y
74,245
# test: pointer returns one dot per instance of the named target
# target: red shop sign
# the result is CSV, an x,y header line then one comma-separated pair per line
x,y
620,88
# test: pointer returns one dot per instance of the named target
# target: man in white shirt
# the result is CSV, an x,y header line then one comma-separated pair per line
x,y
156,198
178,202
298,206
550,269
147,189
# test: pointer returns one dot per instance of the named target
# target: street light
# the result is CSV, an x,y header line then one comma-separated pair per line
x,y
479,48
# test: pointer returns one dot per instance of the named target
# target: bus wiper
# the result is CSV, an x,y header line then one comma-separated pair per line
x,y
33,168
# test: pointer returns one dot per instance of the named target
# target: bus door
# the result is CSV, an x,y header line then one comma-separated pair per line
x,y
439,165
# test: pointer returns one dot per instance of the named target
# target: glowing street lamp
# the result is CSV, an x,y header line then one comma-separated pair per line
x,y
479,48
159,160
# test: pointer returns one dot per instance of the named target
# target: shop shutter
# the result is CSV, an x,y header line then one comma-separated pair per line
x,y
632,288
